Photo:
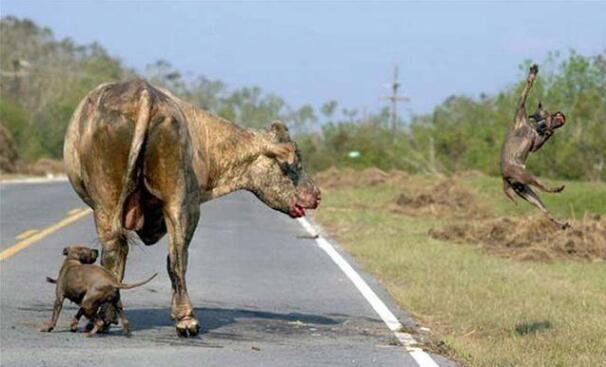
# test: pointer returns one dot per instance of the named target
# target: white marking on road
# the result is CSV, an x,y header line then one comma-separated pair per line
x,y
408,341
34,180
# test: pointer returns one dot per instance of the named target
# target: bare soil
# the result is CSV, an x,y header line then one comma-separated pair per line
x,y
471,220
449,197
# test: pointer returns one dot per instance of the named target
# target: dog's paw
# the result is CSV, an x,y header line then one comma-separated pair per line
x,y
559,188
46,328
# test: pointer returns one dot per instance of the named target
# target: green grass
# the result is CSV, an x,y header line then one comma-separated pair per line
x,y
489,310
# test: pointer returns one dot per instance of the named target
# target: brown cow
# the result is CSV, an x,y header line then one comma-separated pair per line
x,y
144,161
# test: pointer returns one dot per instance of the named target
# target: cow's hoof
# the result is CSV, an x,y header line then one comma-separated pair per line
x,y
188,327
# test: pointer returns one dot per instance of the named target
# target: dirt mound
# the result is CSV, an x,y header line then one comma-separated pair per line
x,y
8,152
334,178
449,197
533,238
45,167
469,173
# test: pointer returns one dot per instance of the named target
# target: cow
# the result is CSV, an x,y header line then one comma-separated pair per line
x,y
144,160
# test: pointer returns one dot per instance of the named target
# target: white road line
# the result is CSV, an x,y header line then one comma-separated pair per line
x,y
423,359
34,180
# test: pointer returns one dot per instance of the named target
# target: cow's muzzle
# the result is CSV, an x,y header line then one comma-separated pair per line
x,y
309,198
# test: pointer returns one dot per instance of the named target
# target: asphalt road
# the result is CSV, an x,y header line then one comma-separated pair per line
x,y
265,293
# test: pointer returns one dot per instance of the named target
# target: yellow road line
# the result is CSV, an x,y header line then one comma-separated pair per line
x,y
24,235
43,233
74,211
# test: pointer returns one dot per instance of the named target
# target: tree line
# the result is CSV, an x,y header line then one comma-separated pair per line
x,y
43,79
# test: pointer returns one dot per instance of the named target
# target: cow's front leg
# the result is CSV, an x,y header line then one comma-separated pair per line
x,y
113,257
181,222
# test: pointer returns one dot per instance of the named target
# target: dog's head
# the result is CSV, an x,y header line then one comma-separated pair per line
x,y
85,255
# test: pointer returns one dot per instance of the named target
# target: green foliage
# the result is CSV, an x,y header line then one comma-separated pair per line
x,y
47,78
43,79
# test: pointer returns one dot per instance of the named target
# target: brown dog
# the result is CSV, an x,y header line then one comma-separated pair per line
x,y
89,286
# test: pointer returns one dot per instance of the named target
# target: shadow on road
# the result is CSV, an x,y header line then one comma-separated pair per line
x,y
214,318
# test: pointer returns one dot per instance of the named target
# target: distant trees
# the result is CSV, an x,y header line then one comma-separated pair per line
x,y
43,79
466,133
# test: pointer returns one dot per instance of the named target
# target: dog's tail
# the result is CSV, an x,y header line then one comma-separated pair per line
x,y
134,285
51,280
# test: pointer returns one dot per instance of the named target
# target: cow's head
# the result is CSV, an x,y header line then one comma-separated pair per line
x,y
277,176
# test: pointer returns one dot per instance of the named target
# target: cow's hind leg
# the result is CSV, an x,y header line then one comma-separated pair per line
x,y
171,178
181,222
113,257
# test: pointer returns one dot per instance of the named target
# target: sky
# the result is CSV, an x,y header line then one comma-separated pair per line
x,y
315,51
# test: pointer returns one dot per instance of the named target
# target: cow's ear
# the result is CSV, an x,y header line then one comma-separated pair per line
x,y
279,131
282,152
65,251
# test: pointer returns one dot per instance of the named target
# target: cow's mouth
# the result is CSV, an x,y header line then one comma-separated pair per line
x,y
297,211
302,202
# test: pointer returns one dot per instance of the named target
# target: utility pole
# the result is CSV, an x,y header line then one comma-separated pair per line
x,y
20,70
395,98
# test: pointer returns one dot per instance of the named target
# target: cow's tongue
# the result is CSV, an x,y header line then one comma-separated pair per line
x,y
297,211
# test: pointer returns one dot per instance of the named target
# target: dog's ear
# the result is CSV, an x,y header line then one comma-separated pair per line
x,y
65,251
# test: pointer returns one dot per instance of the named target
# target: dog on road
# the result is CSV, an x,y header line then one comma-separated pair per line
x,y
89,286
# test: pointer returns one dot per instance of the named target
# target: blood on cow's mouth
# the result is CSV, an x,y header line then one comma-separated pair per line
x,y
296,211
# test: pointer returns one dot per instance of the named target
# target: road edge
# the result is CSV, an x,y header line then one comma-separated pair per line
x,y
422,358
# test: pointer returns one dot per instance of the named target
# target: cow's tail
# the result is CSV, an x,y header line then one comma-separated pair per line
x,y
131,176
134,285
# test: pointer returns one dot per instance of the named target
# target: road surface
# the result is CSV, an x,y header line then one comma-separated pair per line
x,y
265,293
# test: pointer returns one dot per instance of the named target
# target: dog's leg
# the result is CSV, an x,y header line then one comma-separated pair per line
x,y
525,192
90,308
522,176
50,325
97,325
74,325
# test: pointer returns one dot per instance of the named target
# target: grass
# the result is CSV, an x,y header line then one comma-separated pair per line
x,y
490,311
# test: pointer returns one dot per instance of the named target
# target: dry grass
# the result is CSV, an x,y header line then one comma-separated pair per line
x,y
533,238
